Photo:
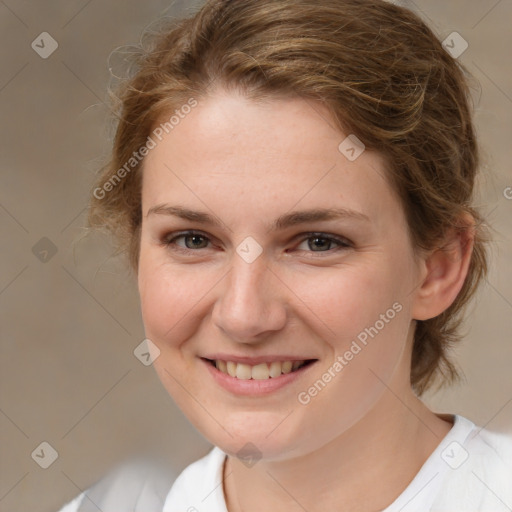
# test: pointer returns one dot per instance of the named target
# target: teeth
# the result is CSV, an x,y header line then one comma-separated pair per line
x,y
286,367
260,371
221,365
231,367
275,369
243,371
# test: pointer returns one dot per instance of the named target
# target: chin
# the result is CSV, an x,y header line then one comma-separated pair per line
x,y
255,434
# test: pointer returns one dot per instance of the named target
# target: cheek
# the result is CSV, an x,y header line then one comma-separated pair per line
x,y
362,313
171,311
343,301
169,300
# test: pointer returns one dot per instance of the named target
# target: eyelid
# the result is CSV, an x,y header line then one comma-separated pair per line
x,y
328,236
342,242
169,238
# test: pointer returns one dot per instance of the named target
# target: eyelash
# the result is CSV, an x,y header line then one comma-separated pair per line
x,y
169,241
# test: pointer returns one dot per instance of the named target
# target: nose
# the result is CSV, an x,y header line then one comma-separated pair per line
x,y
251,304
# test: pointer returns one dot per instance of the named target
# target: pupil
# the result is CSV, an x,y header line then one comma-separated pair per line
x,y
317,244
195,241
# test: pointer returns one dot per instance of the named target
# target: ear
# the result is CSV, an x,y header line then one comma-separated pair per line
x,y
443,271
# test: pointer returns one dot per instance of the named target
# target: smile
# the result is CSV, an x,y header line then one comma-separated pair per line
x,y
261,371
256,379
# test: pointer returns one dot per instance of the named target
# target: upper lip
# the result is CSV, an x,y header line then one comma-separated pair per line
x,y
256,360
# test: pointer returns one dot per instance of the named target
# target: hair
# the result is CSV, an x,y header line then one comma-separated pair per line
x,y
383,75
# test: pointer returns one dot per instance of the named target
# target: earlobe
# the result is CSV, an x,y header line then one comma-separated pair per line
x,y
444,271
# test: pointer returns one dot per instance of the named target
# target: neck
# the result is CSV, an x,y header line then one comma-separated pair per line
x,y
364,469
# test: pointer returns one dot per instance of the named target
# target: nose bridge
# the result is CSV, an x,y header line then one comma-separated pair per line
x,y
249,304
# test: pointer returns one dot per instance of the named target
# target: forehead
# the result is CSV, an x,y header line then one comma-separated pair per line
x,y
263,156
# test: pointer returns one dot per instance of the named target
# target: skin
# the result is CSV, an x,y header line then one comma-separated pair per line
x,y
361,440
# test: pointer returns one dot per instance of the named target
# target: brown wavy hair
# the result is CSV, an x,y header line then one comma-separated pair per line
x,y
382,73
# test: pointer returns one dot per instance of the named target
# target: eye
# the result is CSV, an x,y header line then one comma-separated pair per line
x,y
188,241
192,240
322,242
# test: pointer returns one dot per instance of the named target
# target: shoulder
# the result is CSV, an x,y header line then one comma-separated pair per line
x,y
490,459
73,505
138,485
479,471
489,453
199,485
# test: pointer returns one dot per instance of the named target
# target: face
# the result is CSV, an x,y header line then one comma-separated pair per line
x,y
263,245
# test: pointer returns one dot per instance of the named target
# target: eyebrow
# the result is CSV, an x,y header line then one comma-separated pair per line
x,y
284,221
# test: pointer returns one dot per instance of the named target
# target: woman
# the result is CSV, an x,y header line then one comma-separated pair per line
x,y
293,182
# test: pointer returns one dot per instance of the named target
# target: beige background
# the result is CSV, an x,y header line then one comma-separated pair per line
x,y
69,325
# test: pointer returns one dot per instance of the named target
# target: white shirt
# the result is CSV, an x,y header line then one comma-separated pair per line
x,y
469,471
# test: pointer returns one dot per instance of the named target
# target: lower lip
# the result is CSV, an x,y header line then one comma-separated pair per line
x,y
249,387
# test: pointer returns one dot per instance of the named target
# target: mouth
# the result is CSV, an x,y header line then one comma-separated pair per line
x,y
261,371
